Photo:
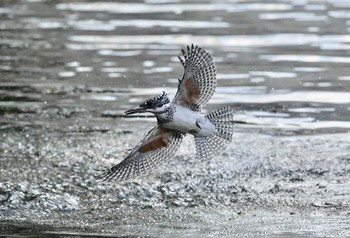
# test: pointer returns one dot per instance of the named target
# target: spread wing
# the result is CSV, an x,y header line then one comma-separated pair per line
x,y
198,82
159,145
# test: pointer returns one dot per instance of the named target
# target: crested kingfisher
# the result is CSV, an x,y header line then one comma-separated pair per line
x,y
176,118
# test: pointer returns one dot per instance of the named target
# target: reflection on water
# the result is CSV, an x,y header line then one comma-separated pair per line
x,y
282,64
177,8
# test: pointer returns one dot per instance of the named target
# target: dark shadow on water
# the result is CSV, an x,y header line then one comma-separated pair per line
x,y
10,229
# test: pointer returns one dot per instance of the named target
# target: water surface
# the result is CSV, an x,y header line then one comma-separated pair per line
x,y
288,58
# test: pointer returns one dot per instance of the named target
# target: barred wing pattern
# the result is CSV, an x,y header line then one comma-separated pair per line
x,y
207,147
223,120
198,82
159,145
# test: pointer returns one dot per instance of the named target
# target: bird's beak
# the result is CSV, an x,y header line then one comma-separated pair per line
x,y
135,110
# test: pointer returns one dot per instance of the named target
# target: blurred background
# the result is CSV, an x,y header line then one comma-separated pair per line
x,y
281,64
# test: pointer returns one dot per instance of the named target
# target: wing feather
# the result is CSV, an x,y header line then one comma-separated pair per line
x,y
199,81
159,145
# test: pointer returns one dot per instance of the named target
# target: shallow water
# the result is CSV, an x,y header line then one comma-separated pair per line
x,y
69,69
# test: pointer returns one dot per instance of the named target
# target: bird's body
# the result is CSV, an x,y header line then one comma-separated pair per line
x,y
179,117
185,120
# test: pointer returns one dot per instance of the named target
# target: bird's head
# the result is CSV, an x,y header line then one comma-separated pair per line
x,y
155,105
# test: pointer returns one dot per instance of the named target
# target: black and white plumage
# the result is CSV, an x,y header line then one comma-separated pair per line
x,y
178,117
199,81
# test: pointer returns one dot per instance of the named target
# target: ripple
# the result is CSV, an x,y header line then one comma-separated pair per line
x,y
124,8
66,74
114,70
307,58
313,29
151,92
231,76
315,7
344,78
84,69
6,67
109,63
257,79
298,16
298,96
50,24
139,36
148,63
324,84
309,69
311,109
241,90
341,3
157,70
73,64
266,114
102,42
120,53
272,74
339,14
305,123
98,97
114,75
91,25
96,25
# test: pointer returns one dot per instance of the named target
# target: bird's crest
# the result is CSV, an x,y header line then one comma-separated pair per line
x,y
156,102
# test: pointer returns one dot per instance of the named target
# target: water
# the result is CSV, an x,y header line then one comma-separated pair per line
x,y
288,58
69,69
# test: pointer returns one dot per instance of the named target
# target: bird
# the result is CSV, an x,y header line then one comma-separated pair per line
x,y
178,117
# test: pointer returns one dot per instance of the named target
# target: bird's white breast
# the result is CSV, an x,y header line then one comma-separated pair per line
x,y
188,121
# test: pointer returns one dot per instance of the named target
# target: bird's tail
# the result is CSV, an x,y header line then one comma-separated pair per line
x,y
209,146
